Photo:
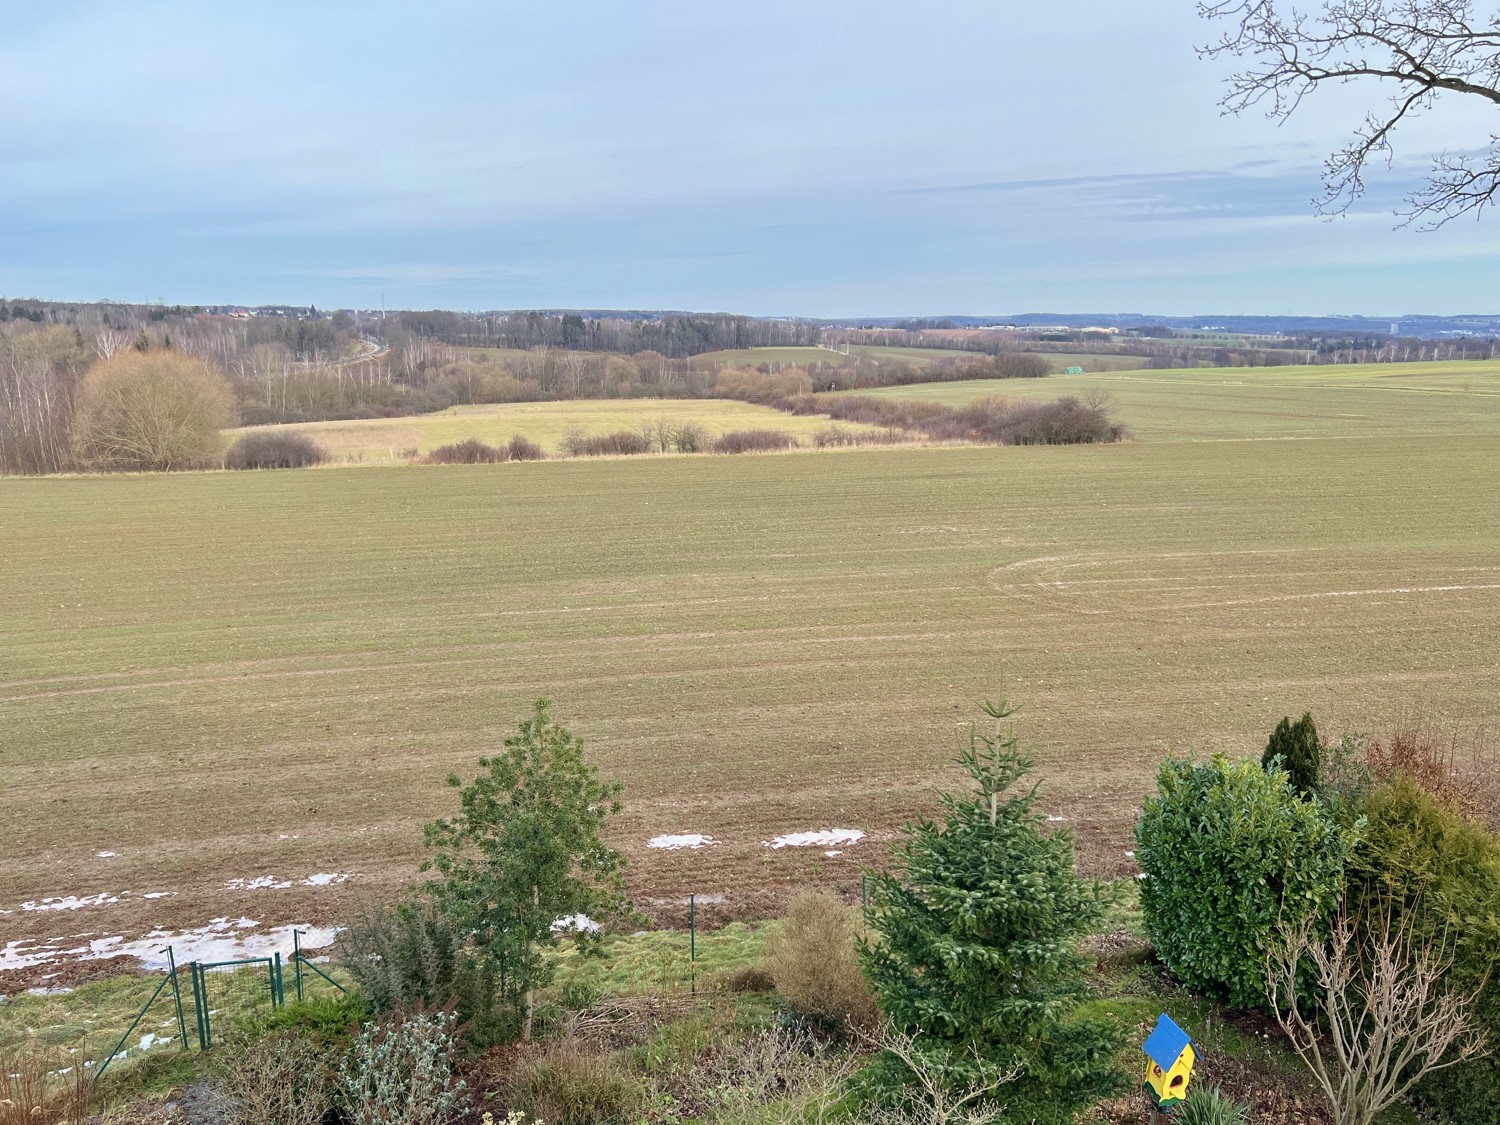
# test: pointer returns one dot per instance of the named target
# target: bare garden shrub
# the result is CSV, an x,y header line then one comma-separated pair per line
x,y
272,450
470,451
755,441
1385,1014
796,1073
277,1079
566,1083
813,962
1457,767
41,1084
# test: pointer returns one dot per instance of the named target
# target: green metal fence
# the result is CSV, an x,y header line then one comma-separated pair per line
x,y
217,994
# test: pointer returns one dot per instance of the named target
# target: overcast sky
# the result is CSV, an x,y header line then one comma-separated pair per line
x,y
816,157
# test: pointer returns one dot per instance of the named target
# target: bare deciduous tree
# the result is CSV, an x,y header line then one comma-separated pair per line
x,y
1418,50
1384,1016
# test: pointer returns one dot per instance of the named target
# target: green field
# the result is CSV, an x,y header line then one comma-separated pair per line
x,y
229,675
385,440
1266,403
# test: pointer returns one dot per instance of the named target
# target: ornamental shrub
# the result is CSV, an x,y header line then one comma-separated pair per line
x,y
1229,851
1425,857
1299,752
400,1072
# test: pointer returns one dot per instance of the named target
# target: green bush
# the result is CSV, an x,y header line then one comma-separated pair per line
x,y
1229,850
412,955
1295,748
1429,859
330,1022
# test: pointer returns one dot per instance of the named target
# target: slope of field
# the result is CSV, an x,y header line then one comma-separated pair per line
x,y
754,357
1274,402
222,677
919,357
376,440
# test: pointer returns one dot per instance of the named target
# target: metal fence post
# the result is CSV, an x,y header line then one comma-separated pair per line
x,y
200,1004
277,999
177,995
297,961
693,941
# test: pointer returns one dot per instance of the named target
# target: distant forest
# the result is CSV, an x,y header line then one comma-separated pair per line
x,y
293,363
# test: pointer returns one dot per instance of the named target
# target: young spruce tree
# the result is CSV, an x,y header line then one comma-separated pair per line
x,y
523,862
977,950
1300,750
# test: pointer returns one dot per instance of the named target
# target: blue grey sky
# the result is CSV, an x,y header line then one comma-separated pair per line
x,y
817,157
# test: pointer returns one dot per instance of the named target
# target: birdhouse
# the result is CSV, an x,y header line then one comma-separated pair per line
x,y
1169,1062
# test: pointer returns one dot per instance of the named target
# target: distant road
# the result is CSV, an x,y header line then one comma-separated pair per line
x,y
368,349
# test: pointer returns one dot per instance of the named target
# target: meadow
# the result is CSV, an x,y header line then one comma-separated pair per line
x,y
377,441
224,677
1205,404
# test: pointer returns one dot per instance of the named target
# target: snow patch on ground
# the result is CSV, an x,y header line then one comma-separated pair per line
x,y
259,883
1056,819
686,840
72,902
575,924
273,883
824,838
106,855
218,940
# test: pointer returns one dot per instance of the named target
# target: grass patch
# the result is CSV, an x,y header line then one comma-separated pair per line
x,y
379,441
1217,404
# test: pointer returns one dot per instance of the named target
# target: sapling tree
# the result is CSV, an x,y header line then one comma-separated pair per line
x,y
976,966
523,863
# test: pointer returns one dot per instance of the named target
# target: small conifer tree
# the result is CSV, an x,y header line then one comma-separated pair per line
x,y
977,950
1301,754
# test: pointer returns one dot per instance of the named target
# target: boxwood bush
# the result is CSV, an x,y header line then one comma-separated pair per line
x,y
1229,850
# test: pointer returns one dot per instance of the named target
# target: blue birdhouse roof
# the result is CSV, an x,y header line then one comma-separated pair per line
x,y
1165,1044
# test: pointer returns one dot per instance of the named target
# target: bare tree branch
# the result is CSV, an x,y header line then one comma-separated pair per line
x,y
1416,49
